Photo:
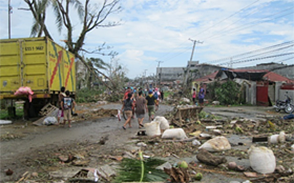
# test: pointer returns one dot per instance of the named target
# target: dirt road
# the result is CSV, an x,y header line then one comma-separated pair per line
x,y
34,138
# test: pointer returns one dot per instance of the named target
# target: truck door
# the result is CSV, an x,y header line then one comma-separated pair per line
x,y
33,64
10,79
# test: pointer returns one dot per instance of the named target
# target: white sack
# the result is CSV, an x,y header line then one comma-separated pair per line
x,y
163,123
218,143
262,159
152,128
177,133
50,120
292,148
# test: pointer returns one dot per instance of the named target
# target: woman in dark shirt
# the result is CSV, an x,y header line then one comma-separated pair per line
x,y
127,107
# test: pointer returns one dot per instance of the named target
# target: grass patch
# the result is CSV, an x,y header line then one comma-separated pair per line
x,y
18,112
86,95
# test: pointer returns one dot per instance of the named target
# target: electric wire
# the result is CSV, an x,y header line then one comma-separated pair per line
x,y
249,24
254,51
217,24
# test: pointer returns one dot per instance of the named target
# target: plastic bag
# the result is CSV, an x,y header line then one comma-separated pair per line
x,y
50,120
262,159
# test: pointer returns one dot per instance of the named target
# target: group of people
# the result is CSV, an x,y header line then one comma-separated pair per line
x,y
140,102
200,96
65,104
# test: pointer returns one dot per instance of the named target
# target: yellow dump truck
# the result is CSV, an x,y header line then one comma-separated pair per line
x,y
38,63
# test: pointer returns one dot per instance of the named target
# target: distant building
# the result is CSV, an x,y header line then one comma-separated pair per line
x,y
165,74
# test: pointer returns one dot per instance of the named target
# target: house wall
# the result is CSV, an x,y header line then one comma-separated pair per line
x,y
251,93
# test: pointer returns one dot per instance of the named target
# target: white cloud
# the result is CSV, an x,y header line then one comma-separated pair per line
x,y
154,30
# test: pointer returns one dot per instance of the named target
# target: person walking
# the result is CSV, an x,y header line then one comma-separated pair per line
x,y
140,107
127,107
201,95
67,104
162,94
194,96
151,100
61,95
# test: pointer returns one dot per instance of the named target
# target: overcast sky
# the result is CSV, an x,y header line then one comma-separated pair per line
x,y
162,30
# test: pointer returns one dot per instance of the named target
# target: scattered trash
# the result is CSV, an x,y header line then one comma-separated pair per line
x,y
118,115
262,159
103,140
278,138
219,143
117,158
50,120
178,174
141,144
234,166
141,133
196,143
35,174
239,129
207,158
290,116
217,132
9,172
205,136
196,133
177,133
128,155
5,122
250,174
215,102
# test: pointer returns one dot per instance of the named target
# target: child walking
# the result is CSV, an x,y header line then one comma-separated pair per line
x,y
67,104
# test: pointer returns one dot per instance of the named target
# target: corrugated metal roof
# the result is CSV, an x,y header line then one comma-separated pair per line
x,y
208,77
248,70
248,74
271,76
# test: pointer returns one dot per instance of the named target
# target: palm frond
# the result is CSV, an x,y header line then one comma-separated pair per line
x,y
80,8
58,19
35,29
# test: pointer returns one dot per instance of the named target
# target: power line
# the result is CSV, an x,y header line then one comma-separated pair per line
x,y
249,24
221,21
227,18
261,58
271,51
254,51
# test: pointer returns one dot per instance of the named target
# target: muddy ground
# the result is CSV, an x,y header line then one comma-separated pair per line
x,y
41,153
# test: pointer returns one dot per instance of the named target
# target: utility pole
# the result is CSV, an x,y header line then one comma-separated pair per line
x,y
156,71
9,24
188,66
231,63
